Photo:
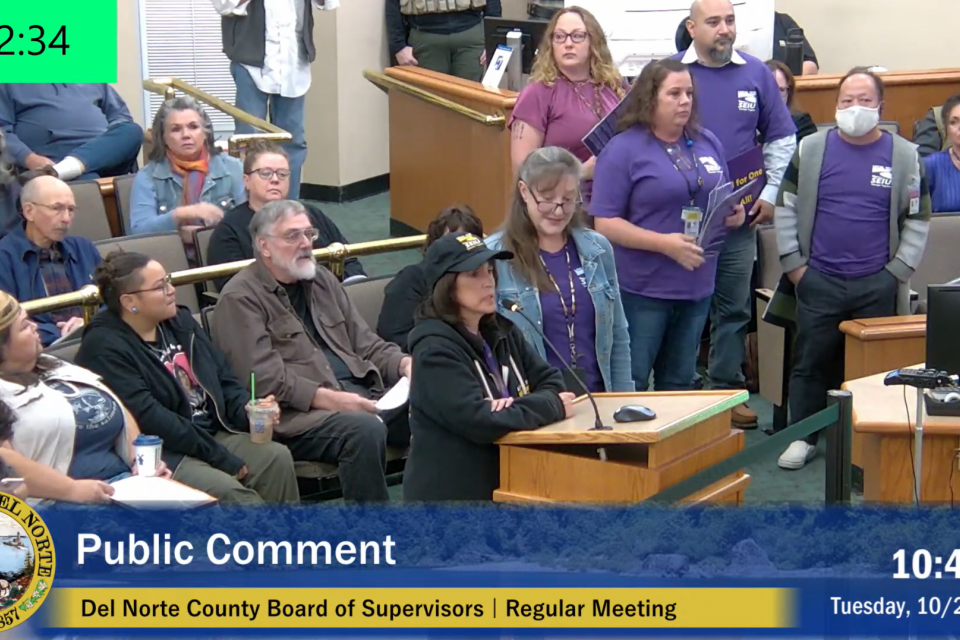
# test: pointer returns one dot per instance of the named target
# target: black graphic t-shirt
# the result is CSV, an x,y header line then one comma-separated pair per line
x,y
174,358
99,424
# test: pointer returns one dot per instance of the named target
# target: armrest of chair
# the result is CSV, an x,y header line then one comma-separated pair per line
x,y
764,294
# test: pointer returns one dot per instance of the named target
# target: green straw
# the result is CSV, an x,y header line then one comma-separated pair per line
x,y
253,388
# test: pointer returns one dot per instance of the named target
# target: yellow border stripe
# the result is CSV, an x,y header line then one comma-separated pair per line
x,y
424,608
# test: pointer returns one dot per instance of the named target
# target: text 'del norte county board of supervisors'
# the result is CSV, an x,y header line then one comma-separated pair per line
x,y
423,608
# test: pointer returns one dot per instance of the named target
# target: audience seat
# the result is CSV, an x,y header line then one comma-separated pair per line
x,y
201,240
771,339
941,260
66,350
90,220
165,248
122,186
367,296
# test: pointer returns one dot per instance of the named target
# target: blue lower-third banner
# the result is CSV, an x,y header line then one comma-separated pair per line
x,y
412,571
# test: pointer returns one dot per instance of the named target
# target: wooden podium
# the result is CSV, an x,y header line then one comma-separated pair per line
x,y
879,345
885,423
449,144
562,462
908,95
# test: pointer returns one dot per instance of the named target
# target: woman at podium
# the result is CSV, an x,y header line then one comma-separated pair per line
x,y
573,86
563,275
476,378
651,195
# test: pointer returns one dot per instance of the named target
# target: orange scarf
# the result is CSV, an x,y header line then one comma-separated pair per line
x,y
193,172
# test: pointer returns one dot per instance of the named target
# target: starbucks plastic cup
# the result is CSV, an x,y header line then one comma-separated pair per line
x,y
147,450
262,414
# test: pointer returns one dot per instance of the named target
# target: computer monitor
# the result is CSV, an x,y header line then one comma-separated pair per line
x,y
495,32
943,336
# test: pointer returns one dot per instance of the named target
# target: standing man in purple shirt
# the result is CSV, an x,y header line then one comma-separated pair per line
x,y
742,100
852,218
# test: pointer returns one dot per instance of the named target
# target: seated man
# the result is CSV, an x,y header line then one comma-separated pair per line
x,y
293,326
71,131
266,176
39,259
930,135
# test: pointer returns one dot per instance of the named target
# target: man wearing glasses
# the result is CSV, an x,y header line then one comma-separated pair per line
x,y
266,176
38,259
293,327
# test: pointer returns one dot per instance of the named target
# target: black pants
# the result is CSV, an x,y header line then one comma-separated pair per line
x,y
823,302
357,443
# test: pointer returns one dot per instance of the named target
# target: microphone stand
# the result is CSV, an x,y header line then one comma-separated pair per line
x,y
513,305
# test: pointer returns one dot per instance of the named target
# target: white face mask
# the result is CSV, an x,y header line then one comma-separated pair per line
x,y
856,121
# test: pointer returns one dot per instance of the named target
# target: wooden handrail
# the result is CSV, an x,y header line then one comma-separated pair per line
x,y
385,82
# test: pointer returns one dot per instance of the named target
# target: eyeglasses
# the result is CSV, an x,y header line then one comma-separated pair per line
x,y
294,236
267,174
546,207
560,37
58,208
167,284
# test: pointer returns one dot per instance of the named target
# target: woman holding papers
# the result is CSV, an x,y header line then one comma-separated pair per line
x,y
67,419
477,379
164,368
563,275
574,84
651,193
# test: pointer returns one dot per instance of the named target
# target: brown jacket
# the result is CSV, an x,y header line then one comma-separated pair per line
x,y
258,330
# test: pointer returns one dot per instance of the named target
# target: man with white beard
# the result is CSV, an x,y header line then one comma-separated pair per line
x,y
293,326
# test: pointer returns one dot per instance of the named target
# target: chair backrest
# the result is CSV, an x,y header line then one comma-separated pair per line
x,y
941,260
122,186
201,238
889,125
768,258
206,319
66,350
165,248
90,220
367,297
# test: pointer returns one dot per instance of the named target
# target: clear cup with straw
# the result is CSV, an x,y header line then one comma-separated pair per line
x,y
262,414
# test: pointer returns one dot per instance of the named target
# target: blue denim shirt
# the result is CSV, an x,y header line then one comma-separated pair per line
x,y
20,272
613,340
157,191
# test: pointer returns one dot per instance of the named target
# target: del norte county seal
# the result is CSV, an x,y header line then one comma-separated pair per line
x,y
27,561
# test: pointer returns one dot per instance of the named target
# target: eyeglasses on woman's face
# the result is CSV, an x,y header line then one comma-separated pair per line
x,y
577,37
267,174
166,285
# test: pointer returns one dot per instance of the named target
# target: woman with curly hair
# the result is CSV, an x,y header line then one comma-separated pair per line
x,y
574,85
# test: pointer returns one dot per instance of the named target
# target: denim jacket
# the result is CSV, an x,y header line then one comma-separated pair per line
x,y
613,340
157,191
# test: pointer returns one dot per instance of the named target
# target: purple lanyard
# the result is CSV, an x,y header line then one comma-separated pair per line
x,y
494,368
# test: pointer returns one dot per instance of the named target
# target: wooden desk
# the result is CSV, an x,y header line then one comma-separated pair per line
x,y
908,95
884,421
880,345
440,157
560,462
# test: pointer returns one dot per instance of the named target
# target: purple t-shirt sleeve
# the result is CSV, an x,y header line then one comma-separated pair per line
x,y
533,106
775,119
612,185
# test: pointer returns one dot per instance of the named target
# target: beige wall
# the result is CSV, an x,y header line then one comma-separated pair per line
x,y
128,57
890,33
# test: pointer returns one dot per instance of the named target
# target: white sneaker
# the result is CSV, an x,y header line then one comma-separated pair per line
x,y
799,453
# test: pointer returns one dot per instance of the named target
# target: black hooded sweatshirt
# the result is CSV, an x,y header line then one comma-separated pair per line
x,y
453,455
114,351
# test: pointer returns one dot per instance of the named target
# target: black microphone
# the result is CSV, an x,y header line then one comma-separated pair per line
x,y
513,305
793,50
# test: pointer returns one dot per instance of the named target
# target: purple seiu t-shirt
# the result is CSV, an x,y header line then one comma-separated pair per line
x,y
636,180
563,116
851,234
499,384
584,321
736,101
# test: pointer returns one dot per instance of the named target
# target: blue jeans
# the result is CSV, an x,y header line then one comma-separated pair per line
x,y
286,113
113,153
730,310
665,339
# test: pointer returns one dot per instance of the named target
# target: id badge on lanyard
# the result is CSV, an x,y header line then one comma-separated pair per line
x,y
691,221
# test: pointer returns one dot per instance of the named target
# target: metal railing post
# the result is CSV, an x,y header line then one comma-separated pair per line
x,y
839,443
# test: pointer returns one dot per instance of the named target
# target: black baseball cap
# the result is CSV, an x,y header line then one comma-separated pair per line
x,y
458,253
